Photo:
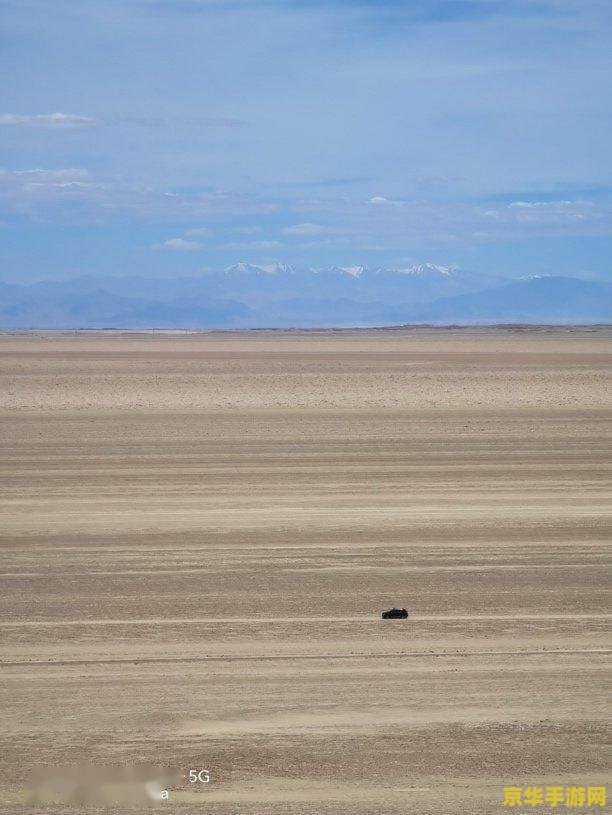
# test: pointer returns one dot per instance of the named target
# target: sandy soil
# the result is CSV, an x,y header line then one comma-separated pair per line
x,y
199,533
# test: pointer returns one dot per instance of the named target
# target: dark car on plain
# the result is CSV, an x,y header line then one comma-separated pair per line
x,y
395,614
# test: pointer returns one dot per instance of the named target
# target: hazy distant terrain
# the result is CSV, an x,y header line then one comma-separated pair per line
x,y
199,533
276,295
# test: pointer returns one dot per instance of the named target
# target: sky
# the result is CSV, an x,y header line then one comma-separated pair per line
x,y
173,137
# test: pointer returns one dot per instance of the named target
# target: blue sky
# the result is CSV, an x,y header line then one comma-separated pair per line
x,y
176,136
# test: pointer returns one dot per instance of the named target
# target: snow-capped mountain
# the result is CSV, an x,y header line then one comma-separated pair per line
x,y
428,269
352,271
254,295
259,268
356,271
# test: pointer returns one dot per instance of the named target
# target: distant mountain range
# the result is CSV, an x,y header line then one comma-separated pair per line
x,y
248,295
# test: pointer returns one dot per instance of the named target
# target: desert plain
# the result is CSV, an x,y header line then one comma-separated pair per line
x,y
200,531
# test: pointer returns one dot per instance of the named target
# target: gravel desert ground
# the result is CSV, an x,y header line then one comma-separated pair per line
x,y
200,531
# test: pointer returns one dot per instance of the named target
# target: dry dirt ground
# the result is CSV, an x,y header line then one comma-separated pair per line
x,y
199,533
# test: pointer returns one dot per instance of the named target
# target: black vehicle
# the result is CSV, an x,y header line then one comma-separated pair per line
x,y
395,614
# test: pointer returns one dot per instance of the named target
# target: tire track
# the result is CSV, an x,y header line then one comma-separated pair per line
x,y
329,619
284,657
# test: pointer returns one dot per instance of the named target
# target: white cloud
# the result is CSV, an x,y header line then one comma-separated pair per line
x,y
247,230
200,232
440,222
69,193
309,230
48,121
531,204
39,191
328,243
32,190
251,245
305,230
379,200
266,244
545,214
180,245
41,176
